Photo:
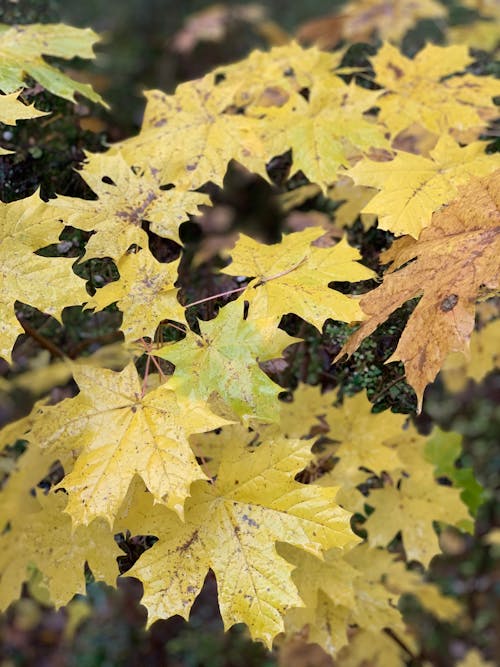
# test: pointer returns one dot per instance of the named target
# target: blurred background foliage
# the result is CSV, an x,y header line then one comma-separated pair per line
x,y
157,44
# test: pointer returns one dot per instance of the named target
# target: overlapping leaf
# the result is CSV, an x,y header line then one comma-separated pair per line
x,y
46,283
126,198
449,263
232,526
421,90
145,293
412,187
12,109
118,431
291,277
46,540
22,48
224,360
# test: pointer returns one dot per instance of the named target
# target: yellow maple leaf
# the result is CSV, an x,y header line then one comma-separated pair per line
x,y
126,198
301,415
290,277
414,505
12,109
322,130
224,361
272,78
343,589
400,579
481,34
46,540
47,283
474,659
353,198
190,137
231,526
412,187
453,258
255,111
484,356
365,439
118,432
21,49
145,294
377,649
421,90
390,19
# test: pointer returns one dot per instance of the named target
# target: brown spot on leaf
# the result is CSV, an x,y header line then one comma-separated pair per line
x,y
184,547
398,72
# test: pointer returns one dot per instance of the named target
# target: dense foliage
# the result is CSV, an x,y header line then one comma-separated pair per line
x,y
315,511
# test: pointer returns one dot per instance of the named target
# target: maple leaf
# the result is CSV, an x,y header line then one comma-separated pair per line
x,y
145,294
12,109
231,526
190,139
119,432
377,649
299,417
401,580
481,34
322,130
421,90
352,199
47,283
244,119
126,198
413,187
452,259
343,589
414,505
290,277
21,49
267,79
46,540
366,440
484,356
391,19
224,361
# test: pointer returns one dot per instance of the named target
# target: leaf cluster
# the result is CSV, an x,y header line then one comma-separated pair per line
x,y
308,513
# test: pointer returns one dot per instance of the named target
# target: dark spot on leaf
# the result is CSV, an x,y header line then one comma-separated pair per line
x,y
186,545
289,71
398,72
160,123
250,521
108,180
449,302
219,78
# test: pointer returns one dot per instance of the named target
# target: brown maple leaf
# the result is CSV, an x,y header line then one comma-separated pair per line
x,y
456,256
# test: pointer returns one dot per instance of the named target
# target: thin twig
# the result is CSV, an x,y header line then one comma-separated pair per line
x,y
41,340
381,393
216,296
401,643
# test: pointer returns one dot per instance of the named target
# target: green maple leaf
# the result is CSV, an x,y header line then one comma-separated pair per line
x,y
224,362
